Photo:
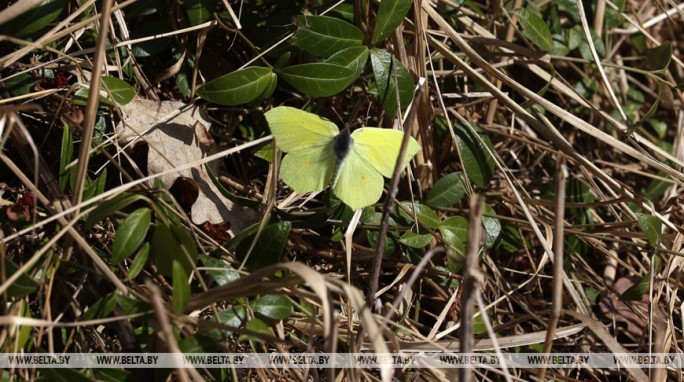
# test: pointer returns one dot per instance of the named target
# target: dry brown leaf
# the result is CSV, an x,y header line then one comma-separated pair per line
x,y
179,140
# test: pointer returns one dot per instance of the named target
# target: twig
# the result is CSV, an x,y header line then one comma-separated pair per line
x,y
471,276
558,240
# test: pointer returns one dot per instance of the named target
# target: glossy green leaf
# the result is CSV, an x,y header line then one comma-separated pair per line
x,y
346,11
21,84
415,240
478,163
454,231
120,90
23,285
425,214
534,28
234,316
33,20
275,307
139,262
268,248
318,79
353,58
108,207
130,234
659,57
652,227
146,7
447,191
492,226
390,15
199,11
238,87
257,326
221,271
95,187
324,36
637,291
173,243
149,29
382,63
584,49
101,308
181,288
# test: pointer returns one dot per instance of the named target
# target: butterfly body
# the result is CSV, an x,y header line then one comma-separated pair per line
x,y
317,153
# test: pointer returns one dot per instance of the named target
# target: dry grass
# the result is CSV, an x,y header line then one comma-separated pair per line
x,y
548,285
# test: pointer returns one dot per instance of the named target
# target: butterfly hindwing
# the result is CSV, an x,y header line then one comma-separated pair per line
x,y
358,184
380,148
296,129
308,169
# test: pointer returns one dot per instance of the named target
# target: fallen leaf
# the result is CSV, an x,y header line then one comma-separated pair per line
x,y
178,141
633,314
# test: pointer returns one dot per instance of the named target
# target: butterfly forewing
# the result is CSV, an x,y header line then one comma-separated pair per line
x,y
295,129
380,148
309,169
358,184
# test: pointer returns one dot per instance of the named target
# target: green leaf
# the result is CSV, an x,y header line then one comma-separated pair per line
x,y
454,231
101,308
492,226
325,36
146,7
353,58
21,84
172,243
659,57
534,28
108,207
234,316
390,15
346,11
447,191
139,262
222,272
652,227
199,11
181,288
318,79
121,91
33,20
95,187
130,234
238,87
415,240
268,248
66,154
258,326
153,46
275,307
382,63
110,375
638,290
478,163
585,52
23,285
425,214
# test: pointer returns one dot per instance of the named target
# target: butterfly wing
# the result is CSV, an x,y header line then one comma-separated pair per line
x,y
308,169
308,140
296,129
380,148
357,184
